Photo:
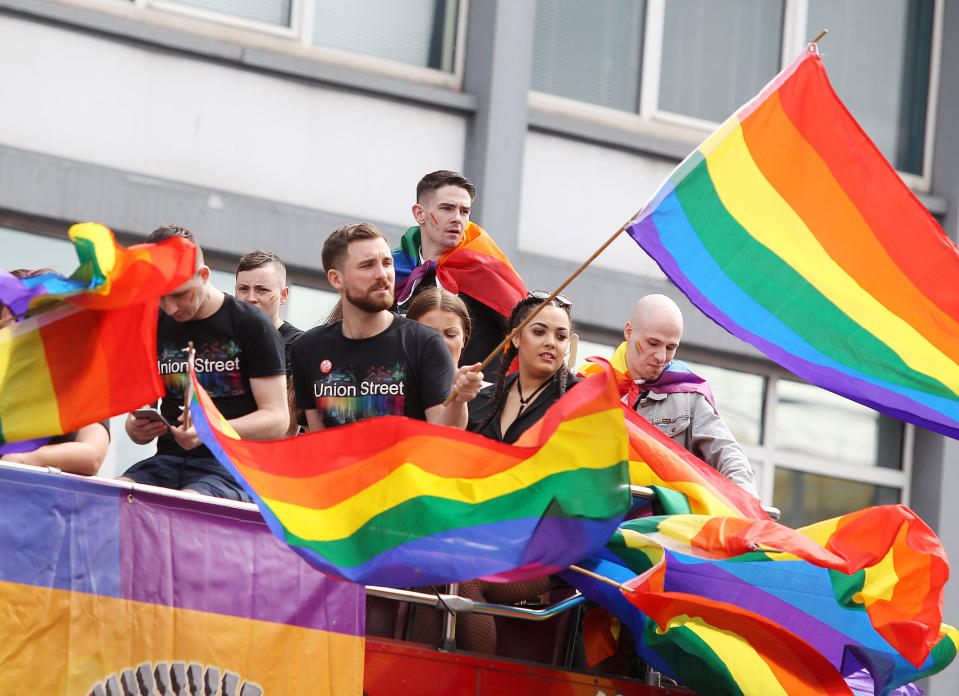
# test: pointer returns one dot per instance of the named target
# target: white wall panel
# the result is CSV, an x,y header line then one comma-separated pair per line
x,y
575,195
80,97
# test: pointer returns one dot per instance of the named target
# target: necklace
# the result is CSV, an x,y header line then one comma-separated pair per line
x,y
524,401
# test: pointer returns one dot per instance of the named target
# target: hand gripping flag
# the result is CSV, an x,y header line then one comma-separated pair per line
x,y
400,502
788,228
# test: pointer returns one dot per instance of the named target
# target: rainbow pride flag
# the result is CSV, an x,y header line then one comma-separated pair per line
x,y
731,606
89,353
683,482
105,591
788,228
400,502
475,266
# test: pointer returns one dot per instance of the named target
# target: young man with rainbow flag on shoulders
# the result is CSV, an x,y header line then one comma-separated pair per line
x,y
670,395
449,251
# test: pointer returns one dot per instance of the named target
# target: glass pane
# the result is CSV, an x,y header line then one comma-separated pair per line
x,y
813,421
880,69
739,399
806,498
266,11
418,32
590,51
717,54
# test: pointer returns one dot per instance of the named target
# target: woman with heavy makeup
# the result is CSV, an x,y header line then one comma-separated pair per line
x,y
504,410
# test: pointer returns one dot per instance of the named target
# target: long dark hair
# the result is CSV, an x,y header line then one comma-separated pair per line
x,y
522,310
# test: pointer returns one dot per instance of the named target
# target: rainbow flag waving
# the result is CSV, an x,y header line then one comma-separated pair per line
x,y
788,228
400,502
475,266
89,352
731,606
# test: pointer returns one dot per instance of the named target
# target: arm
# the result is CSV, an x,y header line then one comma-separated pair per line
x,y
466,385
713,442
269,421
143,430
314,421
82,456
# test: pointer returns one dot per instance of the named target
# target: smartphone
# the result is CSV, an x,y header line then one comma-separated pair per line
x,y
150,414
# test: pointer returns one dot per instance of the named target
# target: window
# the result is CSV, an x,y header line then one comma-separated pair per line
x,y
417,32
693,62
739,397
589,51
276,12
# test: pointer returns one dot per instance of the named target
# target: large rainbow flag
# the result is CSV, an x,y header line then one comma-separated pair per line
x,y
740,607
88,349
105,591
789,229
400,502
475,266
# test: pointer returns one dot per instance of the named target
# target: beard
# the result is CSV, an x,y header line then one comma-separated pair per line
x,y
369,302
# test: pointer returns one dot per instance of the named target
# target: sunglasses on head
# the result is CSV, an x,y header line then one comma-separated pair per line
x,y
541,295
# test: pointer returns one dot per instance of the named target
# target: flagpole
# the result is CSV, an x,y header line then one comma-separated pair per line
x,y
515,332
819,36
602,578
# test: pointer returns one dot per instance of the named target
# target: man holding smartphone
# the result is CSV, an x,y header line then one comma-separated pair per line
x,y
239,361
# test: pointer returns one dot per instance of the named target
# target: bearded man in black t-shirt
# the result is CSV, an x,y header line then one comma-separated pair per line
x,y
374,362
239,361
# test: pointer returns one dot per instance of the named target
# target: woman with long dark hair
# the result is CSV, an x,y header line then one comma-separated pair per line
x,y
504,410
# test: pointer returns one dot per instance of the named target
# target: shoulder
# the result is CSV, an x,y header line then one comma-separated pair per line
x,y
324,332
288,331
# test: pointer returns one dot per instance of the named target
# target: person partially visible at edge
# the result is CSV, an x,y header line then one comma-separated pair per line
x,y
507,408
669,395
239,361
261,282
78,452
373,362
446,250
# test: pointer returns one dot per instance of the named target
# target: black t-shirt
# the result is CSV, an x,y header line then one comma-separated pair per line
x,y
481,406
402,371
234,344
487,327
288,333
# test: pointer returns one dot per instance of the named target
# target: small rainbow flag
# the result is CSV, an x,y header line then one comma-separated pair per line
x,y
90,351
108,591
475,266
400,502
731,606
788,228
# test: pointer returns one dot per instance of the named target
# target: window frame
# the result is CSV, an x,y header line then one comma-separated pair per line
x,y
794,35
298,38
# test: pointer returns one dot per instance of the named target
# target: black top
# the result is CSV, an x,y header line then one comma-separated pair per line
x,y
235,343
401,371
289,333
480,407
487,326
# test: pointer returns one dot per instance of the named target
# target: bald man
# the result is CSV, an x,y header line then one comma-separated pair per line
x,y
669,395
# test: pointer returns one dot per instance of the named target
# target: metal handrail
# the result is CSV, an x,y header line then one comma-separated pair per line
x,y
461,605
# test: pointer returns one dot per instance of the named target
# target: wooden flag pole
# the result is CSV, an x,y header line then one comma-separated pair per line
x,y
602,578
188,391
820,36
498,349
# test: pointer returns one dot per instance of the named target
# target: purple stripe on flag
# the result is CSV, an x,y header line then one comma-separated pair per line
x,y
235,567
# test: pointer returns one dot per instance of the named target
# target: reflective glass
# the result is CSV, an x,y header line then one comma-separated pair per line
x,y
590,51
880,69
805,498
266,11
813,421
717,54
739,399
417,32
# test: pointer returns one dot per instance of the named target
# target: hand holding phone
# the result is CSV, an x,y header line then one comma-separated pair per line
x,y
150,414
